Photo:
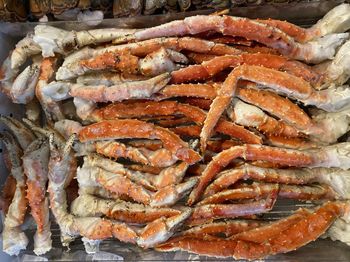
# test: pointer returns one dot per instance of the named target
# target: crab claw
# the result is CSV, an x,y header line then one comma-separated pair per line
x,y
24,49
169,195
161,229
23,88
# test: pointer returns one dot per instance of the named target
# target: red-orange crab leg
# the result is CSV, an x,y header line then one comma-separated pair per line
x,y
160,158
259,190
242,27
227,228
198,102
169,108
301,233
88,205
210,68
35,164
210,212
279,81
187,131
187,90
330,156
118,129
172,121
278,106
255,191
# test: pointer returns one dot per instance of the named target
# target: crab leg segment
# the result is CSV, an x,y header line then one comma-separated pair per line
x,y
210,68
14,240
35,164
330,156
209,212
118,129
258,190
87,205
160,158
170,108
24,49
249,29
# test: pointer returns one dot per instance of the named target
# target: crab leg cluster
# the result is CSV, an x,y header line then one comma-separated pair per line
x,y
184,136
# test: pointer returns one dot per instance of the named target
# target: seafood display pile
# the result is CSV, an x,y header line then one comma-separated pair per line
x,y
180,136
33,10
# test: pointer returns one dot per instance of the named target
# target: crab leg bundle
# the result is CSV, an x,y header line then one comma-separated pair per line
x,y
279,81
121,185
118,129
72,67
87,205
14,240
151,108
92,228
313,51
287,235
35,164
329,156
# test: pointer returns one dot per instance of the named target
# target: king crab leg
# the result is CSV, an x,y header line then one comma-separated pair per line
x,y
24,49
209,212
312,51
87,205
336,179
155,63
14,240
118,129
336,20
208,69
169,108
35,164
329,156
